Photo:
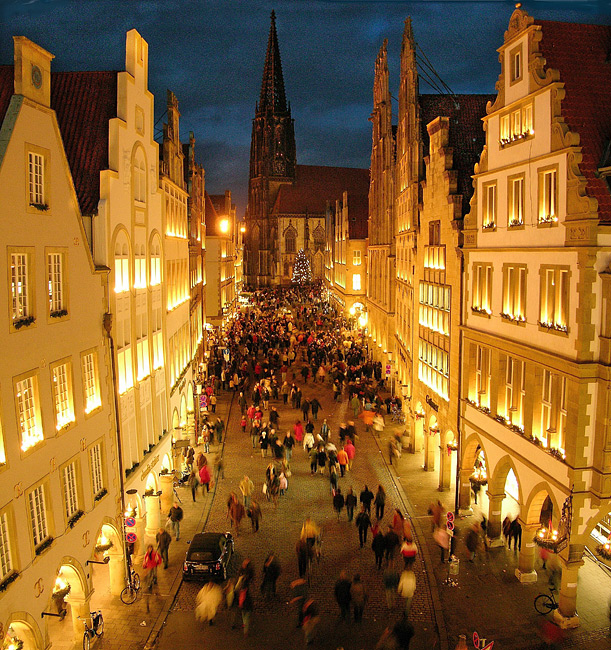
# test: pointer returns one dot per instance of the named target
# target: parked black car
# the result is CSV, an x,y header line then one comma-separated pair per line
x,y
208,556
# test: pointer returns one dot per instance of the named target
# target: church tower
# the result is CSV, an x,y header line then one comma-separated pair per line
x,y
272,164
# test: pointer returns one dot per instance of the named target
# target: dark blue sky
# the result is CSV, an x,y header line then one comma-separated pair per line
x,y
211,54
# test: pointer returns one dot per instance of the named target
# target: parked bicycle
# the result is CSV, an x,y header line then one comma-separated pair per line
x,y
130,592
545,604
397,415
96,629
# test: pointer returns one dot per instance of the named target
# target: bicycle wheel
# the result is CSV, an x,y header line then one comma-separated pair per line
x,y
544,604
128,595
86,640
136,581
99,630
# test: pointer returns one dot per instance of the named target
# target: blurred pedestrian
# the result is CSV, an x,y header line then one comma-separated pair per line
x,y
208,601
407,588
175,516
379,502
366,497
310,620
378,545
163,545
271,572
358,596
363,523
350,503
338,501
342,595
299,592
255,515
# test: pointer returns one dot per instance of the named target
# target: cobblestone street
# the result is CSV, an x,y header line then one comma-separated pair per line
x,y
274,621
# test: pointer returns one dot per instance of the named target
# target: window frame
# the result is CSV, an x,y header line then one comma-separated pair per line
x,y
9,549
560,303
515,293
63,253
357,258
513,222
47,513
93,353
487,222
71,493
66,363
544,218
31,200
30,293
36,415
516,55
97,469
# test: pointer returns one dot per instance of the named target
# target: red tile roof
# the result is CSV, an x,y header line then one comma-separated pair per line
x,y
358,214
581,54
466,136
7,88
84,103
315,185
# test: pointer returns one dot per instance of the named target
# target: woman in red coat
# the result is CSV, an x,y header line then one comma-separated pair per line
x,y
298,431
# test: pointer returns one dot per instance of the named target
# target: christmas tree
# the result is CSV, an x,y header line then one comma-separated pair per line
x,y
302,273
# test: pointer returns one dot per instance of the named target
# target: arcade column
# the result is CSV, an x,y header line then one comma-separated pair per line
x,y
495,502
153,519
526,560
167,491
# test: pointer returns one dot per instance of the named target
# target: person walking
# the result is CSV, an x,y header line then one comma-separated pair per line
x,y
235,512
355,404
407,588
350,503
365,498
378,546
363,523
271,572
175,515
310,620
342,460
299,592
150,562
163,545
338,502
350,451
208,601
408,551
391,543
379,502
289,443
255,515
391,582
193,483
342,595
304,553
315,406
358,597
472,541
245,605
247,487
204,477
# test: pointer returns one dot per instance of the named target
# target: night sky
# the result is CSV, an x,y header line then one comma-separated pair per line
x,y
210,53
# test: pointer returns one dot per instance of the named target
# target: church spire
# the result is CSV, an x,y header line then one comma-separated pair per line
x,y
273,96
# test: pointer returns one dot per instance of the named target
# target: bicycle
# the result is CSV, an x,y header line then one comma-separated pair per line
x,y
96,629
130,592
545,604
397,416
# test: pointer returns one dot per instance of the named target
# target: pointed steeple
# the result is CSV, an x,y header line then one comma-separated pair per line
x,y
273,96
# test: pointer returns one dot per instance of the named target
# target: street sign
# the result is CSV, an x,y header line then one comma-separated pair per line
x,y
130,521
476,640
131,538
450,525
450,515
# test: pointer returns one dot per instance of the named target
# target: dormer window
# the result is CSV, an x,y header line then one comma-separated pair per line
x,y
515,61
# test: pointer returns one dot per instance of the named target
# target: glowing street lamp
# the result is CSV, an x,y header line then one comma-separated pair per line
x,y
224,225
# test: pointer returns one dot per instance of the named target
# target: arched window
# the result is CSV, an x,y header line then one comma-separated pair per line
x,y
319,238
290,240
139,176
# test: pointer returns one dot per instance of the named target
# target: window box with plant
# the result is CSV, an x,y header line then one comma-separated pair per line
x,y
58,313
101,494
43,546
75,517
41,207
8,580
25,321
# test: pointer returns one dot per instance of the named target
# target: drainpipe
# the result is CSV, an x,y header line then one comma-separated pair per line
x,y
108,328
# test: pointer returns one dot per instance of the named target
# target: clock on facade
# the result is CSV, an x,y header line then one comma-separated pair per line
x,y
36,76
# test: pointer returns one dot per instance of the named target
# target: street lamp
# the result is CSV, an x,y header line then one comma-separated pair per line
x,y
224,225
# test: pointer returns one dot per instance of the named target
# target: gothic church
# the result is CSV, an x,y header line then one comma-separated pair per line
x,y
286,201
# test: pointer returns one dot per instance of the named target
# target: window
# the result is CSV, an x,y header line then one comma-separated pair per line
x,y
434,368
121,268
142,349
482,377
553,410
69,489
290,243
516,125
95,464
140,269
515,58
124,367
55,280
435,307
554,298
91,384
516,201
434,233
28,412
548,196
482,289
356,282
21,303
489,216
38,515
514,293
139,177
514,392
36,178
435,257
62,395
356,258
6,560
156,265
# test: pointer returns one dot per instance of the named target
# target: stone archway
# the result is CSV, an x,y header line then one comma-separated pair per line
x,y
153,508
71,590
22,627
505,498
109,548
448,444
471,449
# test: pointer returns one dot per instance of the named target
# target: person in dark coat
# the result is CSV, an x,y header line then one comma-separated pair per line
x,y
515,534
342,595
271,572
378,546
391,544
366,497
163,545
363,523
338,501
350,503
304,552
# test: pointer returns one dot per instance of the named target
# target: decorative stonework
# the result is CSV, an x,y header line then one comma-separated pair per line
x,y
518,22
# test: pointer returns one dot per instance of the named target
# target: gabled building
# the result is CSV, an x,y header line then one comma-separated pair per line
x,y
381,246
535,351
220,258
179,340
59,470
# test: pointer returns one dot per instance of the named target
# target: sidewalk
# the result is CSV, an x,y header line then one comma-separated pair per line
x,y
488,598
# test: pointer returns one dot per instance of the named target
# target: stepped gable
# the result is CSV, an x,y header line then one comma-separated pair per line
x,y
467,137
314,185
582,55
358,215
85,102
7,88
